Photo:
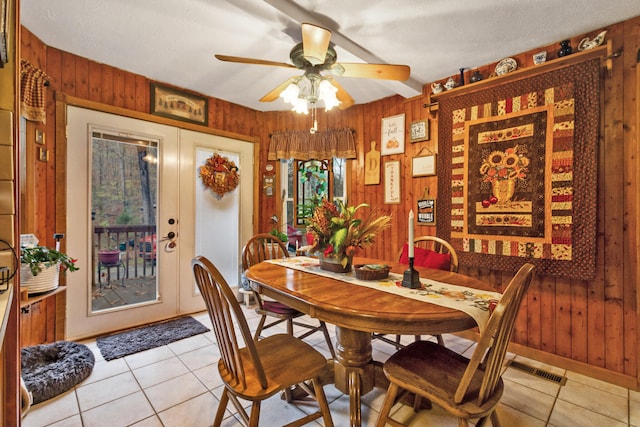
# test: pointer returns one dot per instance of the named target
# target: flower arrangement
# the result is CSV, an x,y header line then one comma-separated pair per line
x,y
338,233
38,256
504,165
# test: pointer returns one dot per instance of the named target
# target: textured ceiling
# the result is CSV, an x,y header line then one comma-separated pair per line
x,y
174,41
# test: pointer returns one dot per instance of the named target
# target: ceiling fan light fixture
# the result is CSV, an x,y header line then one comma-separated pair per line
x,y
327,94
300,106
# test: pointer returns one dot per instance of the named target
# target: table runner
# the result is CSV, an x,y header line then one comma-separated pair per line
x,y
476,303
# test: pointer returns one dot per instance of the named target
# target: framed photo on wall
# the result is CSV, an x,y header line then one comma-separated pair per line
x,y
419,131
179,105
392,135
392,182
423,165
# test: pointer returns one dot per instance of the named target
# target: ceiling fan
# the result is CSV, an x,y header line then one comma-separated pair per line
x,y
313,56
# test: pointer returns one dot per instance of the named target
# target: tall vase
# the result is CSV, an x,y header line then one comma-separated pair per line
x,y
504,189
334,264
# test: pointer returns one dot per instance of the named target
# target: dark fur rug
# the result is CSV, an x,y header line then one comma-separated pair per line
x,y
147,337
51,369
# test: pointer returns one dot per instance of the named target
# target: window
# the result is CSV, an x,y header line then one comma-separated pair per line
x,y
307,182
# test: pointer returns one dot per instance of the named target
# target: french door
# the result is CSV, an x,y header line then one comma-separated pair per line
x,y
137,213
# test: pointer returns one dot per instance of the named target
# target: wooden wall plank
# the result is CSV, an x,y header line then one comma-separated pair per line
x,y
82,78
95,81
631,204
107,85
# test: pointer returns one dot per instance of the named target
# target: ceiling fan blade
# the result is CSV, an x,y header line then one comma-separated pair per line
x,y
315,42
243,60
343,96
273,95
375,71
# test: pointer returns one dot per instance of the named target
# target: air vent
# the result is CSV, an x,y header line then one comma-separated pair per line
x,y
541,373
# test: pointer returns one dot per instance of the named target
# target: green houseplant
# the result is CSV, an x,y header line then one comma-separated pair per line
x,y
338,232
38,257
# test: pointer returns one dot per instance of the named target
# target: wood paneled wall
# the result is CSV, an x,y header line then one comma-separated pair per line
x,y
586,326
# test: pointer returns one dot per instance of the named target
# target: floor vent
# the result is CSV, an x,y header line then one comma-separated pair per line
x,y
538,372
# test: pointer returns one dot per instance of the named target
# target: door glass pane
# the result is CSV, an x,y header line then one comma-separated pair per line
x,y
124,192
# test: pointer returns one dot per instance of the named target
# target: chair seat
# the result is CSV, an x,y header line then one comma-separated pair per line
x,y
278,307
286,361
419,368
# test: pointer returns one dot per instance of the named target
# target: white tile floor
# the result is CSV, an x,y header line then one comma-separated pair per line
x,y
178,385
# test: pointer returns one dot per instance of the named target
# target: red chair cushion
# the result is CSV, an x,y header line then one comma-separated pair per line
x,y
278,307
426,258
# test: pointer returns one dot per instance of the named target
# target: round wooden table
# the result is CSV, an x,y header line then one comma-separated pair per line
x,y
357,311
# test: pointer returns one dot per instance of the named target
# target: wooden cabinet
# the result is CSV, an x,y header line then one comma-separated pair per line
x,y
42,317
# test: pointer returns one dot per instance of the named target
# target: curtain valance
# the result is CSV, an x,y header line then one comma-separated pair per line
x,y
32,84
302,145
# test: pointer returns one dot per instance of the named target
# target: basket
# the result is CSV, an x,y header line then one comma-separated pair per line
x,y
371,271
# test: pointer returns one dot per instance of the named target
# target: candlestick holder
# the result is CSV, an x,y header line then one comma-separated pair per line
x,y
411,278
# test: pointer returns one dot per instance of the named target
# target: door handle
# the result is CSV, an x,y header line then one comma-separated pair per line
x,y
170,236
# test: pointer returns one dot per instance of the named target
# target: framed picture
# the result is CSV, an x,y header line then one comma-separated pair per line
x,y
43,154
419,131
392,182
175,104
39,136
423,165
392,135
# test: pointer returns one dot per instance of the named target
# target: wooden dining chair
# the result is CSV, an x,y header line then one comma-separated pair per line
x,y
466,388
259,369
432,252
263,247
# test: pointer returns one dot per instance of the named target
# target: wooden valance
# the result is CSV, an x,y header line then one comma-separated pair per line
x,y
32,92
302,145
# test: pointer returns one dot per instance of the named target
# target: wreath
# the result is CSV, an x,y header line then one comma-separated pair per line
x,y
220,175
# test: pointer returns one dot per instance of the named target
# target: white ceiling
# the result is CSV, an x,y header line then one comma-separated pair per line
x,y
174,41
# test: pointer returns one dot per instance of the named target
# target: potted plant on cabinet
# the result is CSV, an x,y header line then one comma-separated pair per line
x,y
40,268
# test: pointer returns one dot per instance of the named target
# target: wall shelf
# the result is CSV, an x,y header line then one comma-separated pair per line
x,y
603,51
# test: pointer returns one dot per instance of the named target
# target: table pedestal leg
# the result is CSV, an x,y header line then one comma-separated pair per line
x,y
354,370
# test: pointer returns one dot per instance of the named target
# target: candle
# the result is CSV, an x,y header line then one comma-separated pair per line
x,y
411,233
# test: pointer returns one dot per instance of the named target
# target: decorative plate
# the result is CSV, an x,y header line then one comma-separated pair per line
x,y
505,66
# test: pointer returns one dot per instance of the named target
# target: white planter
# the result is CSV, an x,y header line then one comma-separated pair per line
x,y
46,280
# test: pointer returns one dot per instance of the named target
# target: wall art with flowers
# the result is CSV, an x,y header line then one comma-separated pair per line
x,y
518,177
507,174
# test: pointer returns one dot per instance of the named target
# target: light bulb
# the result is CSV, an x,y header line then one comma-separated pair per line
x,y
327,93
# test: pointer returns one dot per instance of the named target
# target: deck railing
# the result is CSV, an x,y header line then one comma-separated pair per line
x,y
124,252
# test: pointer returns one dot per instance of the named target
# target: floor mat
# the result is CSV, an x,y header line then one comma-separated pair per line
x,y
146,337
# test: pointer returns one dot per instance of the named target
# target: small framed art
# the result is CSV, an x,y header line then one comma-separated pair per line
x,y
179,105
392,182
419,131
392,135
423,165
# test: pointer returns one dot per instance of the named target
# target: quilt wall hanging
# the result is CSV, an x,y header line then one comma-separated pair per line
x,y
519,178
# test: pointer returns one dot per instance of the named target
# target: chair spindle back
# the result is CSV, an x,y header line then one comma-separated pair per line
x,y
494,339
224,310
